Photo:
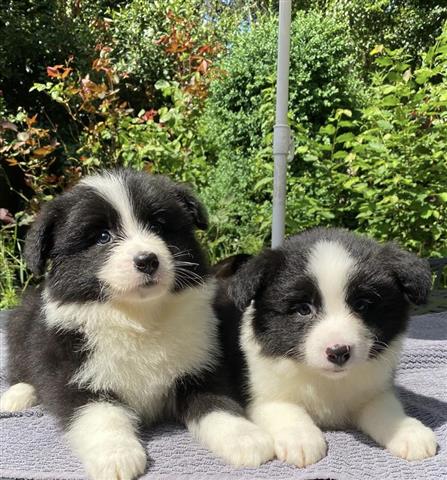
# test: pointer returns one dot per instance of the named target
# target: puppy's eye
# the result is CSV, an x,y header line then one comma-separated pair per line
x,y
304,309
362,305
104,237
157,224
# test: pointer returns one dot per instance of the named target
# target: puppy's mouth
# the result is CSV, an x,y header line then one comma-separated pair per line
x,y
334,371
149,282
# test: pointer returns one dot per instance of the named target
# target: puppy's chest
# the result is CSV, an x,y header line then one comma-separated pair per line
x,y
141,368
332,403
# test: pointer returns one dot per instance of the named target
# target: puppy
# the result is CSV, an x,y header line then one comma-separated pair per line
x,y
321,330
123,329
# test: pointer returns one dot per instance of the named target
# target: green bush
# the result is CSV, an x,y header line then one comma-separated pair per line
x,y
384,174
239,118
35,34
187,88
409,24
379,169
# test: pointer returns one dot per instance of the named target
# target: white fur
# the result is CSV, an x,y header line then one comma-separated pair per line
x,y
124,280
233,438
119,274
297,440
331,265
111,187
104,436
18,397
331,401
140,349
289,399
384,419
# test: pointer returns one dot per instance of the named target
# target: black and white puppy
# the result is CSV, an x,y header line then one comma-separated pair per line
x,y
322,325
123,328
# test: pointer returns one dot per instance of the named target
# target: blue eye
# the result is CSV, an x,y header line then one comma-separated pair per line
x,y
104,237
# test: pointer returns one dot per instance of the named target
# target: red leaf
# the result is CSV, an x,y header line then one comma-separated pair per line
x,y
149,115
52,72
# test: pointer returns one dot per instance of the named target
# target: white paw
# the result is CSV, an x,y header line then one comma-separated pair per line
x,y
300,447
18,397
248,447
122,461
413,441
233,438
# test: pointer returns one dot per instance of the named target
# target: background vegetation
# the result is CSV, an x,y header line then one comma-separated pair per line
x,y
187,88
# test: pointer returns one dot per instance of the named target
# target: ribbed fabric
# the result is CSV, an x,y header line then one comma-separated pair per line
x,y
32,447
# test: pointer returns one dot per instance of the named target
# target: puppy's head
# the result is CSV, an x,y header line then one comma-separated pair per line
x,y
329,298
118,235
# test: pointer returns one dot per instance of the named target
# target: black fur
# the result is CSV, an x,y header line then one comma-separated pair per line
x,y
63,242
277,283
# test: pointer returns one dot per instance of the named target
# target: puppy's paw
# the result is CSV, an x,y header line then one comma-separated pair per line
x,y
413,441
248,447
233,438
123,461
18,397
300,447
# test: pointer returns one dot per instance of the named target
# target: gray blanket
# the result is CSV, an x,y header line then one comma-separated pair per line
x,y
32,446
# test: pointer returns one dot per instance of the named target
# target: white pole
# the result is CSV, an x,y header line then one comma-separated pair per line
x,y
281,134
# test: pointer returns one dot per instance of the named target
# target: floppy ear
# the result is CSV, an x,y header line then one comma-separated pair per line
x,y
227,267
252,276
39,240
194,206
413,273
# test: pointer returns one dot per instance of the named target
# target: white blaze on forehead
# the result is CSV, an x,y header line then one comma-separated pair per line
x,y
111,187
119,271
331,265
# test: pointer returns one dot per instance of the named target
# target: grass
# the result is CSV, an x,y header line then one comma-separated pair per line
x,y
14,277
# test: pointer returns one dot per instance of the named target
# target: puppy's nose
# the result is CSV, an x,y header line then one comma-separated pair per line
x,y
146,262
338,354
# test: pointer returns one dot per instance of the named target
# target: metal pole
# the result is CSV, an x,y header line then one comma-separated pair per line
x,y
281,134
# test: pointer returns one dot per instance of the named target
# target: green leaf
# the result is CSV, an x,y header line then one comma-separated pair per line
x,y
384,125
162,84
345,137
328,129
264,181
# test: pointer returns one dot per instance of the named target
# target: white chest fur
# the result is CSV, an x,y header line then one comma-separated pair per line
x,y
331,401
139,352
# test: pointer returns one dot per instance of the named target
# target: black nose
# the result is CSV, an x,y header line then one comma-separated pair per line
x,y
338,354
146,262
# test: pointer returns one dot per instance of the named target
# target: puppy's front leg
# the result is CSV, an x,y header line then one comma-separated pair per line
x,y
218,423
103,435
385,421
297,439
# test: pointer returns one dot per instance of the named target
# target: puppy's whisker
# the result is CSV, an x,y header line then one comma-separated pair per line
x,y
188,273
181,262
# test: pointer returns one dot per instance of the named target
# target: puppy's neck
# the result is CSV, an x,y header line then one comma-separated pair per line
x,y
138,316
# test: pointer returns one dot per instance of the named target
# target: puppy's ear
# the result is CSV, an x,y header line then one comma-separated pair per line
x,y
412,273
193,206
39,240
252,276
227,267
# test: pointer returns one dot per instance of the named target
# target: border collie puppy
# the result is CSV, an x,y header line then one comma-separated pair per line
x,y
123,329
322,325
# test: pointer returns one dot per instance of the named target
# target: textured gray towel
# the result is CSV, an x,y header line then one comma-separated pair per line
x,y
32,446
